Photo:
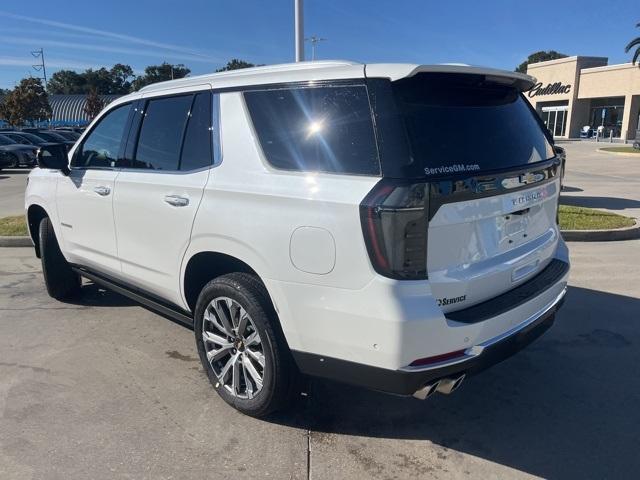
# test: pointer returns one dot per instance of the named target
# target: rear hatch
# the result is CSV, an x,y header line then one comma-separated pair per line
x,y
492,182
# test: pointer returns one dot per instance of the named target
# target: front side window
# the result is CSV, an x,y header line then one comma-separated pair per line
x,y
101,147
160,139
324,129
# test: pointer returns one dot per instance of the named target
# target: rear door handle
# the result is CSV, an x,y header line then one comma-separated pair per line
x,y
176,200
102,190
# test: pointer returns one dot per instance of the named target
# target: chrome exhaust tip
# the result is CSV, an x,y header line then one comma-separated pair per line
x,y
426,391
450,385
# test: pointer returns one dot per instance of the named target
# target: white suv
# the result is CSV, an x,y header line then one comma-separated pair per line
x,y
387,225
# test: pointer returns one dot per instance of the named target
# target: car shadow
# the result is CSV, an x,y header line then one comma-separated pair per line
x,y
566,407
566,189
93,295
610,203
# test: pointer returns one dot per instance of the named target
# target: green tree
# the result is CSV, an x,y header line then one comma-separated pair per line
x,y
635,43
66,82
541,56
160,73
94,104
235,64
27,102
121,77
115,81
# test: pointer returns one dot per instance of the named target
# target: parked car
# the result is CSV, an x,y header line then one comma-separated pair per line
x,y
50,136
14,154
25,138
77,130
68,134
391,226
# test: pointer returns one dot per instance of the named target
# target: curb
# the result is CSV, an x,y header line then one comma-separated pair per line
x,y
620,154
627,233
16,242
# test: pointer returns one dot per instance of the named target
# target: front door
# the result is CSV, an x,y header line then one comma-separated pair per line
x,y
85,197
158,192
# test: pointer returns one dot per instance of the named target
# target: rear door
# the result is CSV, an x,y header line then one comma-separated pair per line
x,y
85,197
493,184
169,155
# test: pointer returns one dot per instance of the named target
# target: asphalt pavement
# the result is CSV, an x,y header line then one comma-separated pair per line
x,y
12,185
103,388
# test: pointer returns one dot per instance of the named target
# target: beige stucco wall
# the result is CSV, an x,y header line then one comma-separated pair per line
x,y
615,81
566,71
610,81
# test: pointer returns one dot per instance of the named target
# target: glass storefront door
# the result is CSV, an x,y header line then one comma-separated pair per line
x,y
555,118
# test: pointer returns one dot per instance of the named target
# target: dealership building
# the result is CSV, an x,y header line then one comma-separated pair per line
x,y
575,92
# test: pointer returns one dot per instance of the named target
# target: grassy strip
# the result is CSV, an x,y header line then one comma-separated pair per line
x,y
13,226
578,218
621,150
571,218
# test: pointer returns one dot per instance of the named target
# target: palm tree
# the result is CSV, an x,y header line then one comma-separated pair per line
x,y
635,43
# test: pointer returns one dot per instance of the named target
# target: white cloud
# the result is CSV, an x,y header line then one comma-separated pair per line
x,y
107,34
33,42
53,62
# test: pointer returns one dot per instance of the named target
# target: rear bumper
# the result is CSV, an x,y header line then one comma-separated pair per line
x,y
408,380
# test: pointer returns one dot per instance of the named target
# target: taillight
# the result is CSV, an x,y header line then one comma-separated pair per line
x,y
394,224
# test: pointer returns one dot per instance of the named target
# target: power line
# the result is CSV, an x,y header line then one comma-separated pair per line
x,y
40,67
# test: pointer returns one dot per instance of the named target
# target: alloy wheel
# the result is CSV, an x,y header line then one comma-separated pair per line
x,y
233,347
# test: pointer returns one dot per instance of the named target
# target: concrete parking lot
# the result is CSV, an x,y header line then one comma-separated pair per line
x,y
12,185
601,180
103,388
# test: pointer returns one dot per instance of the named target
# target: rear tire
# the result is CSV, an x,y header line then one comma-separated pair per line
x,y
62,282
235,311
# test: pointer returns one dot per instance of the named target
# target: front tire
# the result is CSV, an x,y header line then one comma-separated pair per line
x,y
241,346
62,282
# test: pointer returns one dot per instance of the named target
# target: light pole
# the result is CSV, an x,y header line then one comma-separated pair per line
x,y
299,29
314,41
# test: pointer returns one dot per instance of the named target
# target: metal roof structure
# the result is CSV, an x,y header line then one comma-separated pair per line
x,y
69,109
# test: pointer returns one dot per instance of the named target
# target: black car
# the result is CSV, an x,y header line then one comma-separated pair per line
x,y
50,136
26,138
69,135
14,154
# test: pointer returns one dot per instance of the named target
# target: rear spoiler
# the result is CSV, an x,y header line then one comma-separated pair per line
x,y
397,71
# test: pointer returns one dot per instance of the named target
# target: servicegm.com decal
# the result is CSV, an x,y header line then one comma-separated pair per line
x,y
457,168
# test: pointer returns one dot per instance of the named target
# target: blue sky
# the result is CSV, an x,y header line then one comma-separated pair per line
x,y
204,34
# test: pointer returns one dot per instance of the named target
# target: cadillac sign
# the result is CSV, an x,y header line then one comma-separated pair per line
x,y
549,89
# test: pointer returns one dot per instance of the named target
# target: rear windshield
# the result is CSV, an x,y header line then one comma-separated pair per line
x,y
460,124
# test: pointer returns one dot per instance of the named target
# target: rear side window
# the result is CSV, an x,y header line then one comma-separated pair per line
x,y
197,150
324,129
460,124
160,138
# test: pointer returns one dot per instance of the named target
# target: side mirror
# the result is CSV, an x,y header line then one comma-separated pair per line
x,y
54,157
559,151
